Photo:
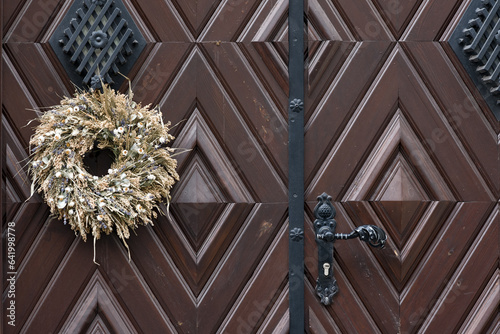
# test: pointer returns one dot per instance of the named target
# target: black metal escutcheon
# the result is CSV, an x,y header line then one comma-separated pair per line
x,y
325,225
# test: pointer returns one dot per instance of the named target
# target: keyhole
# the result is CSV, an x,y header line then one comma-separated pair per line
x,y
326,268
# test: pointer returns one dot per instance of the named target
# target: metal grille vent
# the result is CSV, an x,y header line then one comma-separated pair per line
x,y
96,41
476,42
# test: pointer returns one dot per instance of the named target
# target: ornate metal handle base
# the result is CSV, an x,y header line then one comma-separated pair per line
x,y
325,225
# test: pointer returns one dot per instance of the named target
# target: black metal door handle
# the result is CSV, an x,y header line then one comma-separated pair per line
x,y
325,225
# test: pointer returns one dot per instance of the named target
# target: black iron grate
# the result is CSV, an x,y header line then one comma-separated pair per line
x,y
96,41
476,42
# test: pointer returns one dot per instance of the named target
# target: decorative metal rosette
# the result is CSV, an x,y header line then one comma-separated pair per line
x,y
297,234
296,105
142,173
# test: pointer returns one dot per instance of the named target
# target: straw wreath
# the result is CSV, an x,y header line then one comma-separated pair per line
x,y
142,173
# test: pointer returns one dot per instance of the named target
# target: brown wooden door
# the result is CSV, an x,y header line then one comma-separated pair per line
x,y
395,132
399,136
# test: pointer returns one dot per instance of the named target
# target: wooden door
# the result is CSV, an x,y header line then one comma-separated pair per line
x,y
395,132
220,262
400,137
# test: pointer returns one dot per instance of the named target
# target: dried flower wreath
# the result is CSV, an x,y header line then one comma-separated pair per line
x,y
142,173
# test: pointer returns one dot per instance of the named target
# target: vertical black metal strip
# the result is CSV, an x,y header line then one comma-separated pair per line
x,y
296,164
